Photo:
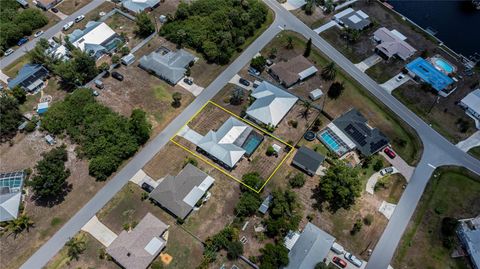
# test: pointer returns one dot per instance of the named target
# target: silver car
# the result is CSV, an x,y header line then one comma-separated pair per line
x,y
354,260
8,52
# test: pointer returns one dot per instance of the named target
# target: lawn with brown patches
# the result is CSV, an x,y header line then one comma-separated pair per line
x,y
126,27
70,6
296,123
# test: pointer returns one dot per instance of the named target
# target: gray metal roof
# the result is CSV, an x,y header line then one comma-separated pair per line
x,y
179,194
308,159
311,248
271,103
265,204
354,125
137,6
170,67
469,234
28,75
10,194
137,248
225,144
356,19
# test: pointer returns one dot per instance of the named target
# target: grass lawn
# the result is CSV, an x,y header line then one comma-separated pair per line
x,y
70,6
403,138
12,69
451,192
383,71
475,152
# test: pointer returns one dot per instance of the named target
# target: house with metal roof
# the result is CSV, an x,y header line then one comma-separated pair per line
x,y
170,66
295,70
353,19
271,104
310,248
468,232
97,39
30,78
307,160
351,131
47,4
179,194
424,71
265,204
11,185
471,104
137,6
392,43
136,249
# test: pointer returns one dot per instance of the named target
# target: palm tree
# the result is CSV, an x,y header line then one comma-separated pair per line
x,y
306,109
75,248
289,42
20,224
329,72
335,90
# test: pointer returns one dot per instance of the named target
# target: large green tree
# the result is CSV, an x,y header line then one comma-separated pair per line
x,y
10,116
274,256
145,25
284,215
139,126
339,187
335,90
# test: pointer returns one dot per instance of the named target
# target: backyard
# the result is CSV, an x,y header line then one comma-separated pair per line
x,y
451,192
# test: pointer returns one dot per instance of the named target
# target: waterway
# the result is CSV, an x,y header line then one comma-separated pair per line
x,y
457,23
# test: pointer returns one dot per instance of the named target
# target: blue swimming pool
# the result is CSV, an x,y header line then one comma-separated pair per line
x,y
330,141
252,143
444,65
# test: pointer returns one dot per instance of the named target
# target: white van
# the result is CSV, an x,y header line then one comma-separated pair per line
x,y
67,26
337,248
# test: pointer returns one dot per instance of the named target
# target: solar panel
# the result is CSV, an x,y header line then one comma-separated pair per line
x,y
356,135
375,146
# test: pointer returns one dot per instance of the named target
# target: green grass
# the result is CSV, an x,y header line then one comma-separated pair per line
x,y
12,69
453,190
161,93
475,152
56,221
377,73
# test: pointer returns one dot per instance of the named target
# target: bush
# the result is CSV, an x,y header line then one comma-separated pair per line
x,y
357,226
378,165
368,220
449,226
297,181
234,249
258,63
293,123
270,151
191,161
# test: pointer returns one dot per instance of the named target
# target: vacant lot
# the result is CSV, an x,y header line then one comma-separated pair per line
x,y
403,138
451,192
125,27
70,6
316,19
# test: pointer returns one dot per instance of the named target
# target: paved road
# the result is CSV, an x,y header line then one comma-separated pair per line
x,y
48,33
437,150
54,244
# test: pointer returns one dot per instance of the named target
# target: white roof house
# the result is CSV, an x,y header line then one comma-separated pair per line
x,y
11,185
271,104
96,38
471,103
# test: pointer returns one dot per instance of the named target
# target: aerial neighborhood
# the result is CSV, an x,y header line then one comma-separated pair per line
x,y
294,134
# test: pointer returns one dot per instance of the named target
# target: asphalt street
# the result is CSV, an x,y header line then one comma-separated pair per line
x,y
48,33
41,257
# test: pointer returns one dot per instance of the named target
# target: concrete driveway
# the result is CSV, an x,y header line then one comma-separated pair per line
x,y
369,62
372,181
235,80
471,142
393,83
293,4
140,177
327,26
98,230
59,14
401,165
4,77
194,88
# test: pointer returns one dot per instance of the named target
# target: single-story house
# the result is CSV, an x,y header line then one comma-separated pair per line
x,y
11,185
179,194
265,204
310,248
468,232
47,4
136,249
137,6
30,78
307,160
471,103
295,70
351,131
170,66
353,19
59,52
424,71
392,43
271,104
230,142
97,38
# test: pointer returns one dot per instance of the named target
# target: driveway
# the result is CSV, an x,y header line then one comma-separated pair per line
x,y
4,77
370,187
59,14
471,142
235,80
387,209
327,26
98,230
392,83
369,62
400,165
293,4
141,177
194,88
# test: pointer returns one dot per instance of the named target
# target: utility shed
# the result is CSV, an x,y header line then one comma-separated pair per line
x,y
307,160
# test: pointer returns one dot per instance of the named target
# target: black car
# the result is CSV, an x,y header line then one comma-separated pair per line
x,y
244,82
147,187
117,75
188,81
54,10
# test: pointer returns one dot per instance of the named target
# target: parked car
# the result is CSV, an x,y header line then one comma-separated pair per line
x,y
54,10
400,77
339,262
147,187
269,62
354,260
8,52
95,93
188,81
389,152
386,171
79,18
117,75
68,26
22,41
253,71
99,84
244,82
37,34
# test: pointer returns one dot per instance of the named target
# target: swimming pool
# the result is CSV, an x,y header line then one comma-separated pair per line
x,y
330,141
251,143
444,65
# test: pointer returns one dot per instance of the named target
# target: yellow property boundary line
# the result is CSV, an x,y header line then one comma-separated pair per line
x,y
207,161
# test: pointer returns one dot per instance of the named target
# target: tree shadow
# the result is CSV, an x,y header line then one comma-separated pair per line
x,y
52,201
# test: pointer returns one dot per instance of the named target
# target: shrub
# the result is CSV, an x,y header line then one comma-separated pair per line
x,y
449,225
357,226
297,181
191,161
270,151
258,63
368,220
293,123
378,165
